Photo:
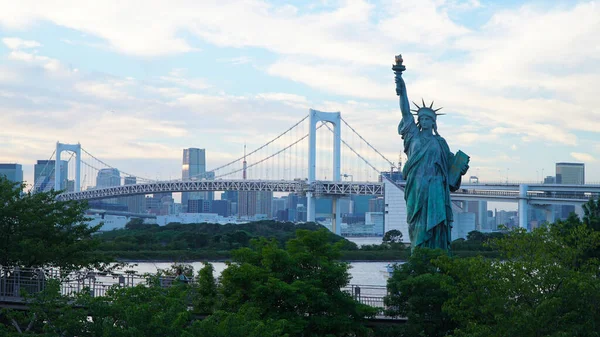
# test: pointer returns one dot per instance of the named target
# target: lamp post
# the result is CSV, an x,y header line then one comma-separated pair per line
x,y
348,175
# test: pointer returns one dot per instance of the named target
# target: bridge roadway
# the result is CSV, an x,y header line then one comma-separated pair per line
x,y
542,194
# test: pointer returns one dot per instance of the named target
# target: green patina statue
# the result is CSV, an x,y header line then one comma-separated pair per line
x,y
431,172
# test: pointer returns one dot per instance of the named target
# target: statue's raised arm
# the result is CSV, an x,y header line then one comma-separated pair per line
x,y
401,89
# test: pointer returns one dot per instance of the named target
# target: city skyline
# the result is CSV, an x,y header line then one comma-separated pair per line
x,y
517,86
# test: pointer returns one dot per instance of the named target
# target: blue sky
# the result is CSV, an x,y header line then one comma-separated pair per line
x,y
137,81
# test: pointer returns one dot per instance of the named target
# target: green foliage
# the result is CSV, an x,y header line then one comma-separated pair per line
x,y
139,237
416,292
139,311
299,285
544,285
49,314
477,243
392,236
591,214
266,291
37,230
206,298
245,323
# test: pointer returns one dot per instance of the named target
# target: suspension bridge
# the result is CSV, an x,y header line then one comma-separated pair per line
x,y
321,155
279,165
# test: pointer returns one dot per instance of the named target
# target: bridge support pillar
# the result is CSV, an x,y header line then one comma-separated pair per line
x,y
310,207
336,218
334,118
76,148
550,218
523,206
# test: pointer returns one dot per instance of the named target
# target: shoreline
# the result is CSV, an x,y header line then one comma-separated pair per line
x,y
228,260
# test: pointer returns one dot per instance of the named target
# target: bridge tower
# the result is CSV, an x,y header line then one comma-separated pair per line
x,y
334,118
76,148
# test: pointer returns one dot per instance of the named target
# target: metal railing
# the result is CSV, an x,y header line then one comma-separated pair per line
x,y
370,295
16,282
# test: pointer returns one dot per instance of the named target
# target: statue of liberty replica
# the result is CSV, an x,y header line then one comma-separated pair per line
x,y
431,172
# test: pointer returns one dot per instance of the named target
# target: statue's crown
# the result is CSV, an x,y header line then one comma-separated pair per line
x,y
426,110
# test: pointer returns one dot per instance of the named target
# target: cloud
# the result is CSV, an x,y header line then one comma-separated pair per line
x,y
236,60
107,89
530,73
584,157
177,76
17,43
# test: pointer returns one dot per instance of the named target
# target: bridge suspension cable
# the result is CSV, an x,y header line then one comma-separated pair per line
x,y
109,166
252,152
271,156
369,144
355,152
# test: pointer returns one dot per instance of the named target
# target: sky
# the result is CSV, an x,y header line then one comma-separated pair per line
x,y
135,82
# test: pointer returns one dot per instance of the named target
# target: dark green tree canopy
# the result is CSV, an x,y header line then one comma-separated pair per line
x,y
37,230
392,236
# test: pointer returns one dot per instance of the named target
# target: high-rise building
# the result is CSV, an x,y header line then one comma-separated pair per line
x,y
135,203
277,204
251,203
43,175
230,195
570,173
194,168
108,177
12,172
199,206
377,205
221,207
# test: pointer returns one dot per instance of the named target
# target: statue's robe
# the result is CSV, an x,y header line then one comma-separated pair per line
x,y
427,191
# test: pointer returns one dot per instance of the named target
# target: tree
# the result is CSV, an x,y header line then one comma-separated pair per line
x,y
392,236
543,285
299,286
37,230
416,292
205,300
591,214
476,236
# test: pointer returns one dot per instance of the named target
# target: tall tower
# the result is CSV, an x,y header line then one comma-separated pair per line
x,y
193,168
44,176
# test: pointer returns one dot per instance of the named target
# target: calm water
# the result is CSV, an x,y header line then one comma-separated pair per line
x,y
360,241
363,273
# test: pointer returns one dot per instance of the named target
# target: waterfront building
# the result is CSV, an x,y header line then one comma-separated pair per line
x,y
377,204
43,175
135,203
570,173
194,168
108,177
199,206
277,205
221,207
12,172
463,224
251,203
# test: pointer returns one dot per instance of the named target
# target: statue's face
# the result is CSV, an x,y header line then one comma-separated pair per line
x,y
426,122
